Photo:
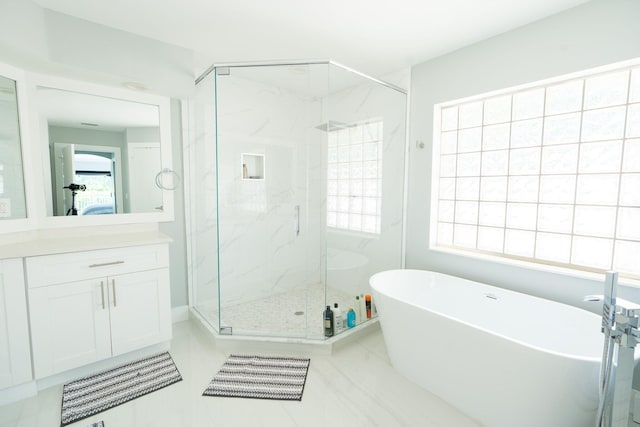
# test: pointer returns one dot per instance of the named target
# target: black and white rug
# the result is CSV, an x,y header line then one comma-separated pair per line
x,y
90,395
260,377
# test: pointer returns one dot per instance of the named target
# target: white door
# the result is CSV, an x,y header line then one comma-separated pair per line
x,y
65,171
140,310
69,325
144,165
15,355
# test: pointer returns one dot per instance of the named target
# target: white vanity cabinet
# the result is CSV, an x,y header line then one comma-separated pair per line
x,y
89,306
15,359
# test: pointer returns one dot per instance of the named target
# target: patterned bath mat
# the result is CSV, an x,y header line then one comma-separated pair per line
x,y
90,395
260,377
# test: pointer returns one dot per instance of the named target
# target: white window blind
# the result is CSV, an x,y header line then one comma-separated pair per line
x,y
354,190
548,174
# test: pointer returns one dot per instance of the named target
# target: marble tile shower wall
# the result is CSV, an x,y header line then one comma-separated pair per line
x,y
260,253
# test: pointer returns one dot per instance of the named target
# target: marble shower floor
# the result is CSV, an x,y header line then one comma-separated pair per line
x,y
276,315
355,386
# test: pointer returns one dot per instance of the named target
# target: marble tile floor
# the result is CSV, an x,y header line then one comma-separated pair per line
x,y
355,386
276,316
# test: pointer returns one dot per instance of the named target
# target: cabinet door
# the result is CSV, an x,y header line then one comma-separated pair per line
x,y
69,325
140,310
15,354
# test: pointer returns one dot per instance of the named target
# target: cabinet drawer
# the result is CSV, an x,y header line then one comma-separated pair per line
x,y
74,266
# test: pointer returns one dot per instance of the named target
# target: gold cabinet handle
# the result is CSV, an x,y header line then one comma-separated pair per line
x,y
102,294
113,288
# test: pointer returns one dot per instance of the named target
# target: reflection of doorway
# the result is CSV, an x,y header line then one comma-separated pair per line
x,y
96,167
144,165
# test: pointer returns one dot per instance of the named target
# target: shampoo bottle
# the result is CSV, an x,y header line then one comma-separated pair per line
x,y
328,322
358,310
367,303
351,318
338,318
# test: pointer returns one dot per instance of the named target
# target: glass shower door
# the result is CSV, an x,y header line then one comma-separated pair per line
x,y
203,205
271,199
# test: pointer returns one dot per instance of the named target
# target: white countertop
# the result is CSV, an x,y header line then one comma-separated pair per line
x,y
49,246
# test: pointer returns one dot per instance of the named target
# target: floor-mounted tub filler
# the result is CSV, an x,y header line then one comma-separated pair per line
x,y
620,320
502,357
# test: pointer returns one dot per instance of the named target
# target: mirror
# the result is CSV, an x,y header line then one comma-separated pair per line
x,y
104,154
12,193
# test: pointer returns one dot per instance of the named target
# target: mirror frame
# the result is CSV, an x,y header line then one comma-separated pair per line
x,y
41,152
22,98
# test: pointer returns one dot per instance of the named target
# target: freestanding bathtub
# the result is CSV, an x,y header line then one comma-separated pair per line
x,y
503,358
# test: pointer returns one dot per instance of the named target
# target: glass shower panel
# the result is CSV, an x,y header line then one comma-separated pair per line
x,y
365,185
202,203
271,198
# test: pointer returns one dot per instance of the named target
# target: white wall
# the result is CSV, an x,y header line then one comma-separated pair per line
x,y
176,228
45,41
597,33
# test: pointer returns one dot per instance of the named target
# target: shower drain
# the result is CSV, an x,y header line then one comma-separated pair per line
x,y
299,313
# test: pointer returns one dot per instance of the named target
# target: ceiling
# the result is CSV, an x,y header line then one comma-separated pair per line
x,y
376,37
79,110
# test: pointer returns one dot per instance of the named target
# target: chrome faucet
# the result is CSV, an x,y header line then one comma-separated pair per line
x,y
620,319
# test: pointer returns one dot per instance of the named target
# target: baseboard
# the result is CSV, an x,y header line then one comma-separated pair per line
x,y
18,392
180,313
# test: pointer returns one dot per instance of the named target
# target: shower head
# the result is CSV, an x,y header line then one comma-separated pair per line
x,y
332,125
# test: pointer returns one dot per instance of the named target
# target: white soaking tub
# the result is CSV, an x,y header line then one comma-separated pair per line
x,y
503,358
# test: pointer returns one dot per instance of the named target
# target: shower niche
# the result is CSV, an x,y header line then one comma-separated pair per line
x,y
252,166
325,147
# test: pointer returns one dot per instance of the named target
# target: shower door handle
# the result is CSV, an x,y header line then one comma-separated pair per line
x,y
297,210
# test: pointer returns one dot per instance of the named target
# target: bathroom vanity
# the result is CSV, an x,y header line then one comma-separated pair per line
x,y
86,300
89,306
84,285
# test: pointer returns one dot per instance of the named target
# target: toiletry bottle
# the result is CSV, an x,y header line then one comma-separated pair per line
x,y
358,310
338,318
245,174
328,322
367,299
351,318
363,309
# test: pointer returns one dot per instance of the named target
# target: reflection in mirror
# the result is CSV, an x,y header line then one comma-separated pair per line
x,y
104,153
12,196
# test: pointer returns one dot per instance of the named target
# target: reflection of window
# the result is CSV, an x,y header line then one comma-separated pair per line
x,y
549,174
354,192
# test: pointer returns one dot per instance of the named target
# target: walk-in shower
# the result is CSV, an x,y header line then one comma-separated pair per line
x,y
295,194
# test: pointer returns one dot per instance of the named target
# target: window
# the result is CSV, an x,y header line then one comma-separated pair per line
x,y
354,190
550,173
